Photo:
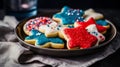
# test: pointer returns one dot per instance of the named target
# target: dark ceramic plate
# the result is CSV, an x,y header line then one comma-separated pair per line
x,y
111,33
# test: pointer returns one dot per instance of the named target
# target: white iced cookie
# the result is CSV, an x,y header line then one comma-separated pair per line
x,y
35,23
93,31
52,30
91,13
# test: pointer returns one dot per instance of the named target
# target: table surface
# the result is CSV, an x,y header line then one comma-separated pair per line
x,y
111,14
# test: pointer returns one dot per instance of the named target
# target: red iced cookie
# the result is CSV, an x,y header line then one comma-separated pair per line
x,y
78,38
100,28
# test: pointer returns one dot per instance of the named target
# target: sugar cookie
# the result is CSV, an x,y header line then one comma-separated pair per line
x,y
103,23
68,15
90,21
40,40
91,13
35,23
52,30
79,38
93,30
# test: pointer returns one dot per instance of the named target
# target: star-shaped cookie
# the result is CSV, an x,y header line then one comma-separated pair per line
x,y
93,31
40,40
68,15
90,21
52,30
104,23
92,13
79,38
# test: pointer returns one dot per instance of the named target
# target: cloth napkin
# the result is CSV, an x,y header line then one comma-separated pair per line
x,y
12,54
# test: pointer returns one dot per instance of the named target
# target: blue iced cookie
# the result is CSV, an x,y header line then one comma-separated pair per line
x,y
40,40
68,15
103,23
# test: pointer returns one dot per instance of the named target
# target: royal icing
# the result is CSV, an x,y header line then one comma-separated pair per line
x,y
79,37
93,30
52,30
37,22
89,22
102,22
69,15
41,39
70,25
91,13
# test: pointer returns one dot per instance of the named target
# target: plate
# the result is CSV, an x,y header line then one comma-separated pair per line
x,y
110,35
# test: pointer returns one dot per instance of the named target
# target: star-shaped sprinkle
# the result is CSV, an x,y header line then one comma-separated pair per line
x,y
41,40
79,38
89,22
69,15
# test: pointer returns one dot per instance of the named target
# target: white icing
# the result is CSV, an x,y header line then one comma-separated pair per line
x,y
93,30
38,34
91,13
51,28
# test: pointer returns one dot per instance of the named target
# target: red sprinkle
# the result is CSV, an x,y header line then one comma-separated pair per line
x,y
36,22
80,38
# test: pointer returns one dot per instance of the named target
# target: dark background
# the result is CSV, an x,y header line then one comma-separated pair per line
x,y
104,4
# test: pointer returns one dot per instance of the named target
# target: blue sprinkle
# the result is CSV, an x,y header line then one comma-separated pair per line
x,y
58,28
48,26
59,25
